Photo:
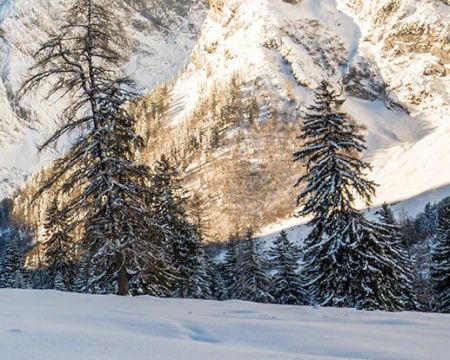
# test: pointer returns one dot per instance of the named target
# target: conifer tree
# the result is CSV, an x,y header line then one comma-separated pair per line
x,y
287,285
120,231
347,260
181,242
11,267
403,277
188,260
37,278
218,287
231,261
59,247
252,282
252,110
81,283
106,188
428,219
440,262
59,282
215,138
19,280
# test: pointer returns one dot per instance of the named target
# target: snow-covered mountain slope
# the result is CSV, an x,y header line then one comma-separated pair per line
x,y
381,50
409,43
47,325
162,35
397,43
389,57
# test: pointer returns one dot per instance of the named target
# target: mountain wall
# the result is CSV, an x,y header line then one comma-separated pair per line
x,y
234,80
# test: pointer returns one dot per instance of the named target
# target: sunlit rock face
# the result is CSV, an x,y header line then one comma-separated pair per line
x,y
410,43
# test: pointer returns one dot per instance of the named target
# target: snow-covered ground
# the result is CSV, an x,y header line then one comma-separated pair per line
x,y
47,325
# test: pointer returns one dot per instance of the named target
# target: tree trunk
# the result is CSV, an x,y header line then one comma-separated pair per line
x,y
123,286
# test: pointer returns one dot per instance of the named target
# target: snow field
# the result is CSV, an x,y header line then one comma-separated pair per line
x,y
47,325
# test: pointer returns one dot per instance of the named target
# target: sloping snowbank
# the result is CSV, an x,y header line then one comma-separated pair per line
x,y
46,325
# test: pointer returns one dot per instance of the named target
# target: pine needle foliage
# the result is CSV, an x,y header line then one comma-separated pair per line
x,y
348,261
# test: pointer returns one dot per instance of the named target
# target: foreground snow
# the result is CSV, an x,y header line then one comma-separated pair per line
x,y
50,325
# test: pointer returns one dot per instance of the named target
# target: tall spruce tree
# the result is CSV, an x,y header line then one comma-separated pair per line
x,y
347,260
440,262
11,267
105,187
183,246
60,251
120,231
287,285
252,282
403,279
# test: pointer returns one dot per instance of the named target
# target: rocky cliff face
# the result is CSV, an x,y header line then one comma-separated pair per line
x,y
231,116
409,41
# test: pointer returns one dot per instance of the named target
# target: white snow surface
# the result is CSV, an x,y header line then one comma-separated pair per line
x,y
47,325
